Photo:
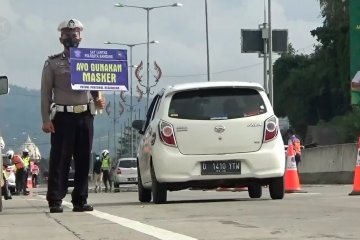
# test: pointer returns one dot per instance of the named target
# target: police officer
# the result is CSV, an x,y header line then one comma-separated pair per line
x,y
105,168
72,126
295,141
20,172
26,158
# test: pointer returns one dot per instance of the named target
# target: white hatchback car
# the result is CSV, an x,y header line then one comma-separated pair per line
x,y
208,135
125,172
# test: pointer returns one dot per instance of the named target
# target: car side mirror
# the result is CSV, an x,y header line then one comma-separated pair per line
x,y
138,125
4,85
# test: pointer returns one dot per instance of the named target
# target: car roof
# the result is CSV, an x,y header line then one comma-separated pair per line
x,y
197,85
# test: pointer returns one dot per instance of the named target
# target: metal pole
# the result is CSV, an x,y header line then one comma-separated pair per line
x,y
266,32
122,142
114,130
265,63
108,137
129,130
207,43
147,59
271,85
131,101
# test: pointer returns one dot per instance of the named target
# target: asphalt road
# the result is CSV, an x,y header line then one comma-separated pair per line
x,y
324,212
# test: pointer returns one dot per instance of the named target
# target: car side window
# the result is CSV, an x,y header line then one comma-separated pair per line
x,y
149,113
156,107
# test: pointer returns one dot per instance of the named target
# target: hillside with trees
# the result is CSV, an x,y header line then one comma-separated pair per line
x,y
20,117
314,89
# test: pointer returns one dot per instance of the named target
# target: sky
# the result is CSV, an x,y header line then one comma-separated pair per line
x,y
28,35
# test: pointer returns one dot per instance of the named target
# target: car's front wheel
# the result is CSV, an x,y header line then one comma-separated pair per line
x,y
276,188
159,192
143,193
255,190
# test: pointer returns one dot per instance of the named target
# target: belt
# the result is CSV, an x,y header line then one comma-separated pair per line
x,y
72,109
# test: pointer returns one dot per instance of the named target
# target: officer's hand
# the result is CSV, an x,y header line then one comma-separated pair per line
x,y
100,103
48,127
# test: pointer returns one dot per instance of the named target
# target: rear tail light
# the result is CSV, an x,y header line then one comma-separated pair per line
x,y
118,171
271,129
166,132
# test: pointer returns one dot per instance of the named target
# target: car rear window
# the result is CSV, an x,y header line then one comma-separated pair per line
x,y
219,103
127,164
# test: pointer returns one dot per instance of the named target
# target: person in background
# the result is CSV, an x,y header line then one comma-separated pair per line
x,y
20,172
4,184
26,158
97,174
35,174
295,141
69,116
105,168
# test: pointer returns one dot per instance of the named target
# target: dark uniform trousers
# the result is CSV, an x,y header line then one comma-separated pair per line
x,y
19,180
72,138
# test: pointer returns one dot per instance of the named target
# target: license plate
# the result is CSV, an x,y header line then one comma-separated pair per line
x,y
132,179
220,167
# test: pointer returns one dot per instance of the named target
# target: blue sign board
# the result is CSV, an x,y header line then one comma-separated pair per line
x,y
99,69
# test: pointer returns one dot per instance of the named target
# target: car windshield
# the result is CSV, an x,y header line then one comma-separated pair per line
x,y
219,103
127,163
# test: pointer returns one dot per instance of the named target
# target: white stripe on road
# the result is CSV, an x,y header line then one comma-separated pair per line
x,y
141,227
156,232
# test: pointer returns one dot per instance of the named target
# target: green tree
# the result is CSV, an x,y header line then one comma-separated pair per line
x,y
315,87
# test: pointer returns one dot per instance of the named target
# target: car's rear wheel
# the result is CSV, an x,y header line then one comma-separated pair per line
x,y
143,193
159,192
255,190
276,188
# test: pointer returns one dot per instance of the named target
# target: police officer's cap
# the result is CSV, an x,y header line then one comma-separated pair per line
x,y
71,24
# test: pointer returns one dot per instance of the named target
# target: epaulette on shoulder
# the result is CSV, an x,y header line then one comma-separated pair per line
x,y
54,56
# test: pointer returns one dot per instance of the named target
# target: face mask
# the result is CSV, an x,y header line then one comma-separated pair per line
x,y
70,42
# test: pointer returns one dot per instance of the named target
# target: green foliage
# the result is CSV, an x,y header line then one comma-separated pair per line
x,y
316,87
348,125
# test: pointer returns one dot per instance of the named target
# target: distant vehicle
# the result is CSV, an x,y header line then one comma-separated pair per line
x,y
125,172
208,135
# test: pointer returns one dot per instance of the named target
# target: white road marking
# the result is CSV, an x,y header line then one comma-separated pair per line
x,y
306,193
155,232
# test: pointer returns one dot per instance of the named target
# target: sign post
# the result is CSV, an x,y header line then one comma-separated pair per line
x,y
258,41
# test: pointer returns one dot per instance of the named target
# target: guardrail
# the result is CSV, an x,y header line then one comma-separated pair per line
x,y
332,164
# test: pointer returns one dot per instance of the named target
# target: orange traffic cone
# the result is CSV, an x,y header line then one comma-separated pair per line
x,y
292,183
356,188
